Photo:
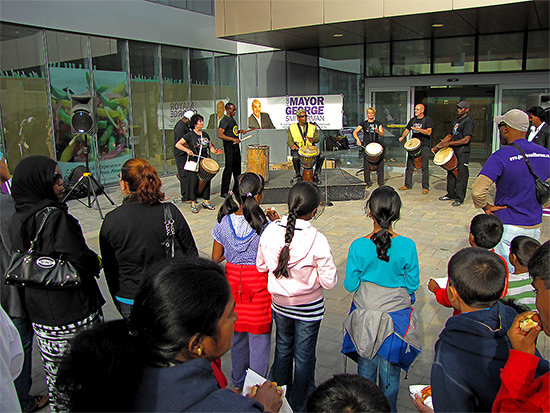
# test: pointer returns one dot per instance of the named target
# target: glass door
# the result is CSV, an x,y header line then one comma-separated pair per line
x,y
393,110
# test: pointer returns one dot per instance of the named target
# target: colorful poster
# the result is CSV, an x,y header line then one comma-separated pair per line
x,y
280,112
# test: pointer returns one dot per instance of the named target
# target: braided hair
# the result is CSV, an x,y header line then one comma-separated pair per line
x,y
303,199
250,185
384,205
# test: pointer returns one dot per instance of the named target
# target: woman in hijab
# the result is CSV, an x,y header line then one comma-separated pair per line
x,y
56,315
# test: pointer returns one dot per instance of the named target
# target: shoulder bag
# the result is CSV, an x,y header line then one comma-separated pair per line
x,y
542,187
33,270
169,242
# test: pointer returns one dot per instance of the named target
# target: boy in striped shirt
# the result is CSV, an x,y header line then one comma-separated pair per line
x,y
519,284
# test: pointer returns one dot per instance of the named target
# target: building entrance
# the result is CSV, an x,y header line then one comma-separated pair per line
x,y
440,103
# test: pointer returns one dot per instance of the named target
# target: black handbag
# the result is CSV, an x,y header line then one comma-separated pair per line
x,y
33,270
542,187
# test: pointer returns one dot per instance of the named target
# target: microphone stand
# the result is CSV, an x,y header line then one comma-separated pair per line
x,y
327,202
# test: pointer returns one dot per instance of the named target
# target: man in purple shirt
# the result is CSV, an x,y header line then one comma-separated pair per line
x,y
515,199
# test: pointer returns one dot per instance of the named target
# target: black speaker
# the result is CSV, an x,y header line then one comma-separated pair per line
x,y
83,114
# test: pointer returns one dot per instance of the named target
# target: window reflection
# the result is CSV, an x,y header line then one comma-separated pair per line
x,y
25,117
500,52
454,55
411,57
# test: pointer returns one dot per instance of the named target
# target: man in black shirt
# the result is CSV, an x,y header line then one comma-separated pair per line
x,y
180,130
229,133
421,127
372,131
459,139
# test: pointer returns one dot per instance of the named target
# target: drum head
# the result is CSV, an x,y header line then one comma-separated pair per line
x,y
443,156
308,150
210,165
412,144
374,148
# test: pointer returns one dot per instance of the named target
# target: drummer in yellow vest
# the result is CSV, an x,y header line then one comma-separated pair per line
x,y
301,134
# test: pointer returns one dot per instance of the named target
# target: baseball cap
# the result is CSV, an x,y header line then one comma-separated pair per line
x,y
463,104
516,119
188,114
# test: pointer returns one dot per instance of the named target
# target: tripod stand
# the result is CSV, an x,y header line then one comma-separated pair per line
x,y
90,181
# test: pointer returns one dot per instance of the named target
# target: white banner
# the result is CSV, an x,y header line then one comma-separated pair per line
x,y
280,112
173,112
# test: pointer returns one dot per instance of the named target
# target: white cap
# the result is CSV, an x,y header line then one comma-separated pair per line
x,y
188,114
516,119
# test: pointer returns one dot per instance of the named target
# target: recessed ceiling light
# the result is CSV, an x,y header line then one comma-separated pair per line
x,y
337,35
437,25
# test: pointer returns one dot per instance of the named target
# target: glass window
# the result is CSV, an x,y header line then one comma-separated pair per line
x,y
271,74
500,52
175,73
411,57
377,61
69,74
303,72
340,73
521,98
226,86
201,6
454,55
181,4
538,53
113,105
146,108
25,115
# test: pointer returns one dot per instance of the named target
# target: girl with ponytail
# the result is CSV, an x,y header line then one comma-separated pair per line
x,y
236,235
382,270
299,263
132,236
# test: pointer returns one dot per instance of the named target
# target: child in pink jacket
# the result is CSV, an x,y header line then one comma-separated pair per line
x,y
300,264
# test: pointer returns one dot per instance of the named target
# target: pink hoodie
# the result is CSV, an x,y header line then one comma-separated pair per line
x,y
311,265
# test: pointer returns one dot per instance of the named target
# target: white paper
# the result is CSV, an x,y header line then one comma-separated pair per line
x,y
442,282
252,378
416,389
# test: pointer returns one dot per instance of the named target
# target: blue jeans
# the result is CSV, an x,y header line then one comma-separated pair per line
x,y
388,375
295,342
23,382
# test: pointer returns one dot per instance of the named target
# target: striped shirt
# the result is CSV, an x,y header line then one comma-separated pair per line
x,y
521,290
304,312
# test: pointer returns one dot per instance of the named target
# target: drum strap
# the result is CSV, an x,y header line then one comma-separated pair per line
x,y
303,133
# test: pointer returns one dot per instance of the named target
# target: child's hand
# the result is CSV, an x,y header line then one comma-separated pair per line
x,y
421,407
433,286
268,395
521,340
271,214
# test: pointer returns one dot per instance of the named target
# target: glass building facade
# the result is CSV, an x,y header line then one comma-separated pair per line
x,y
143,88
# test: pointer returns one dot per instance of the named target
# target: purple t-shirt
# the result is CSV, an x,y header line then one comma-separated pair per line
x,y
515,185
239,240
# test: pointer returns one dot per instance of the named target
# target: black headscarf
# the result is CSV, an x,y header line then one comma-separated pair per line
x,y
32,190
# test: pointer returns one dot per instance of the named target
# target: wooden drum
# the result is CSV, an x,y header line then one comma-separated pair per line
x,y
308,156
374,152
257,160
414,148
446,158
208,168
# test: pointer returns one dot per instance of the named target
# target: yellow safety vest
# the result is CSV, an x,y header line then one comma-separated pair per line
x,y
297,136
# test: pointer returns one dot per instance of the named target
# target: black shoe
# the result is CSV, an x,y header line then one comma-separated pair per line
x,y
317,180
457,203
224,195
445,198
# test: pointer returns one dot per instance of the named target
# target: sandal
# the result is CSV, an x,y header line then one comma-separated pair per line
x,y
39,402
208,206
194,209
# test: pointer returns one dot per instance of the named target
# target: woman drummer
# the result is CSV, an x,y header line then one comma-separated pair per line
x,y
194,143
372,131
